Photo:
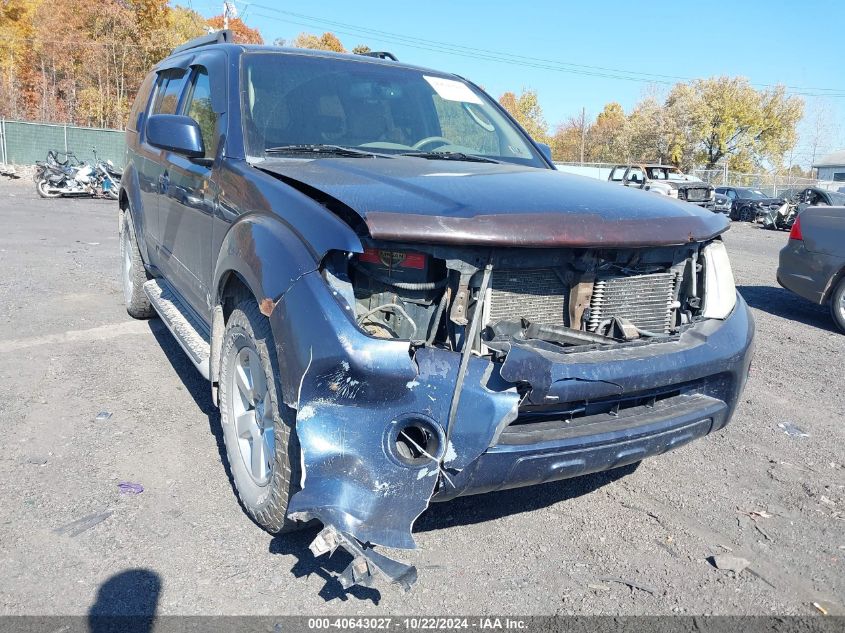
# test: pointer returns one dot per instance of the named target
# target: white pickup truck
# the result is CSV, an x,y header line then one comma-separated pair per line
x,y
666,180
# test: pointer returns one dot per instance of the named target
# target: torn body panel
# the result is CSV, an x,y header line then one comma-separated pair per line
x,y
355,397
373,403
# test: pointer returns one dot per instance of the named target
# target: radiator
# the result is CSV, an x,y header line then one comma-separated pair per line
x,y
537,295
645,300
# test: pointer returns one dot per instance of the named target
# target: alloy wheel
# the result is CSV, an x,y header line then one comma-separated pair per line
x,y
252,415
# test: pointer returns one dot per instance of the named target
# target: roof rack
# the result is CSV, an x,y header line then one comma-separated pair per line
x,y
218,37
380,55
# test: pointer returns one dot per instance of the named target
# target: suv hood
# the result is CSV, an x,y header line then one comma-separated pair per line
x,y
455,202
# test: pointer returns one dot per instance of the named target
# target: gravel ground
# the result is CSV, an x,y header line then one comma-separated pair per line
x,y
68,351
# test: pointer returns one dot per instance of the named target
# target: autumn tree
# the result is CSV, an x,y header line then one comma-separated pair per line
x,y
362,49
16,32
242,33
527,111
648,136
606,137
325,42
568,139
729,120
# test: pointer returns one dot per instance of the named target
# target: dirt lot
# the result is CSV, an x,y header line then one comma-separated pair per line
x,y
68,351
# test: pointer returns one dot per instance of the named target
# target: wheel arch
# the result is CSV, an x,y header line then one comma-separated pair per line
x,y
129,201
832,284
260,258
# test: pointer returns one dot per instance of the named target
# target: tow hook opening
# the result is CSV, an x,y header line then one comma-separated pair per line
x,y
416,443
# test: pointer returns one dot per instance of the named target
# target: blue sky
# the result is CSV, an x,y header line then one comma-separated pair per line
x,y
616,51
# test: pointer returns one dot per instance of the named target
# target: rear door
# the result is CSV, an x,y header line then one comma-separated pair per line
x,y
187,204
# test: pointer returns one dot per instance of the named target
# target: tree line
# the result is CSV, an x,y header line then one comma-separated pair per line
x,y
81,62
704,123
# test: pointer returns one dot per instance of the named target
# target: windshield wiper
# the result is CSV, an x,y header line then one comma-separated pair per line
x,y
470,158
328,150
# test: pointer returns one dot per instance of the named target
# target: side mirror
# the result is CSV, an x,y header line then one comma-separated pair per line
x,y
175,133
547,151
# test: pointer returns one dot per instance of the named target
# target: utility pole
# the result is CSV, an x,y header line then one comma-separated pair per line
x,y
583,131
229,11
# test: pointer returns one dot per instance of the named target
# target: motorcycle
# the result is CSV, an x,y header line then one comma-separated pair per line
x,y
108,177
55,178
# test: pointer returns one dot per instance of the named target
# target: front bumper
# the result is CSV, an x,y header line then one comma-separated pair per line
x,y
354,393
677,392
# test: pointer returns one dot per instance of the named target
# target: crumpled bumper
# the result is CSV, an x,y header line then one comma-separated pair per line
x,y
354,395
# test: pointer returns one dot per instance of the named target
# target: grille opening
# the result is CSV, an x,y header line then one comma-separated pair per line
x,y
571,411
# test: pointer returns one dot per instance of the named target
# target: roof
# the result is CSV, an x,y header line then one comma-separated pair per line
x,y
206,43
311,52
836,159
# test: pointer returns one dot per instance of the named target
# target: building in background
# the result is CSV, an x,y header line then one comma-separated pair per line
x,y
831,167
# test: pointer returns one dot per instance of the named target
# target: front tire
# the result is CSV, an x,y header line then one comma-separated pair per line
x,y
133,274
837,305
258,429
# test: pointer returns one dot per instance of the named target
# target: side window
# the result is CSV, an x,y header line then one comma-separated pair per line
x,y
636,175
731,194
167,92
617,173
198,107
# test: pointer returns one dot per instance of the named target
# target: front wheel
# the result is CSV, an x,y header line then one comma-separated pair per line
x,y
837,305
258,429
43,188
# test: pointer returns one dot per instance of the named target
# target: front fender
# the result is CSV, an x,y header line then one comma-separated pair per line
x,y
266,254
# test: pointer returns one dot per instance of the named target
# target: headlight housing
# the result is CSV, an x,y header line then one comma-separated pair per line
x,y
719,286
673,193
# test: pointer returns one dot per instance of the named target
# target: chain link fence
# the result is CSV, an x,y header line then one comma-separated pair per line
x,y
771,183
24,142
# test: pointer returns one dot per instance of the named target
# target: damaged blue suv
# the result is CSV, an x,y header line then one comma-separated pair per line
x,y
396,298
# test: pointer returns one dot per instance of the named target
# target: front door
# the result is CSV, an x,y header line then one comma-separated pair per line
x,y
187,206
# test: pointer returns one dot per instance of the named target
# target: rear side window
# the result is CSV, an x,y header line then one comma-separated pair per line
x,y
199,109
167,92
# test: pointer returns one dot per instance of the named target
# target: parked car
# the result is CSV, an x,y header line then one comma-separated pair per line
x,y
747,205
721,203
666,180
812,264
812,197
397,299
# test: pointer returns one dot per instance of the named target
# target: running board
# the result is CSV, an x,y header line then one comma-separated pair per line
x,y
181,322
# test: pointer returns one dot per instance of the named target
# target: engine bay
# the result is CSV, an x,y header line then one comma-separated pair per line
x,y
569,298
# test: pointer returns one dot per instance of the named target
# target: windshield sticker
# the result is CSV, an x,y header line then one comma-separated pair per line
x,y
452,90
